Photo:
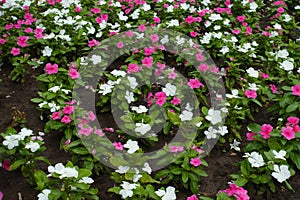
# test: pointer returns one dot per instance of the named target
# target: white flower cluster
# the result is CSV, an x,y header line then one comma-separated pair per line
x,y
12,141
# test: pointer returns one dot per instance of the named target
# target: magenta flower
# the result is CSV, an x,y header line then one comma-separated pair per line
x,y
296,90
189,19
241,18
175,101
22,41
15,51
111,130
142,28
175,149
147,61
236,31
38,33
203,67
154,38
273,88
118,146
68,110
172,75
1,195
73,73
51,69
280,10
85,131
66,119
193,197
99,132
55,116
6,164
93,43
288,132
293,120
251,94
120,45
132,68
266,130
195,83
91,116
250,136
195,162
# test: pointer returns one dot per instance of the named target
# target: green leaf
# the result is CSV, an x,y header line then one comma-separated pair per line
x,y
295,157
254,127
194,186
174,118
265,178
245,168
205,198
292,107
36,100
42,158
185,177
41,179
17,164
80,151
241,181
176,171
55,194
84,173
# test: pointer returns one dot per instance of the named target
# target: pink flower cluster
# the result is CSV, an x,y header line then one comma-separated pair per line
x,y
266,130
161,98
291,128
67,111
238,192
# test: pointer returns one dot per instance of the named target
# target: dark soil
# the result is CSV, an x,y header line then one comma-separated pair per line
x,y
13,185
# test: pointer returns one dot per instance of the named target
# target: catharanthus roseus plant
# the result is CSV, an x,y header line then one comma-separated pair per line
x,y
21,150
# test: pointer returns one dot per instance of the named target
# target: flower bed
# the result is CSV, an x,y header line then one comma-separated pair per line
x,y
144,90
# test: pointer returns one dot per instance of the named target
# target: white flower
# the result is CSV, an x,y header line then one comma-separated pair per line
x,y
147,168
169,194
206,38
224,50
25,132
255,159
211,133
122,169
277,26
287,18
135,14
86,180
129,96
226,22
186,115
58,168
146,7
281,174
234,94
297,7
122,17
117,73
253,7
105,89
214,116
127,188
11,141
173,22
165,39
170,8
140,109
33,146
65,91
198,124
69,173
170,89
252,72
282,54
287,65
180,40
222,130
132,82
280,154
53,107
44,194
142,128
235,145
132,146
215,17
47,51
96,59
253,86
54,89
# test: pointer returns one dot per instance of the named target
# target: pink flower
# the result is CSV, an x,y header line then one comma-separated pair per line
x,y
263,75
15,51
91,116
266,130
38,33
78,9
189,19
111,130
250,136
93,43
195,162
293,120
85,131
147,61
241,18
195,83
148,51
199,56
118,146
296,90
203,67
99,132
250,94
172,75
280,10
156,19
6,164
132,68
1,195
142,28
95,10
193,34
160,101
68,110
175,149
154,38
28,30
67,142
175,101
73,73
120,45
273,88
236,31
55,116
51,69
288,132
2,41
22,41
193,197
66,119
